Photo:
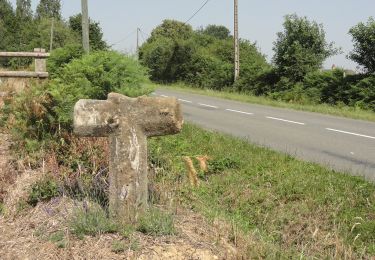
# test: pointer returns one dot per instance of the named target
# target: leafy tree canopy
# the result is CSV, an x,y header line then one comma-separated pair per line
x,y
172,29
203,58
95,32
49,9
364,44
23,10
301,48
218,31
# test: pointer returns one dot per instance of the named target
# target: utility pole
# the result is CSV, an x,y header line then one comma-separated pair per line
x,y
51,40
85,26
236,43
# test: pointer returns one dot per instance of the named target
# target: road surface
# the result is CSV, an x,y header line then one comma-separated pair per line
x,y
342,144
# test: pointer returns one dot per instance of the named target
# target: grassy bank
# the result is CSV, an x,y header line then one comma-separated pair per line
x,y
279,207
344,111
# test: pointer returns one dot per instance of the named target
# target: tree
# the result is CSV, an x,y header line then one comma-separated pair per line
x,y
364,44
49,9
95,32
157,56
23,10
301,48
7,21
173,30
40,36
218,31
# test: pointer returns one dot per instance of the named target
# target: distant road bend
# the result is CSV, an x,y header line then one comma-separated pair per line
x,y
342,144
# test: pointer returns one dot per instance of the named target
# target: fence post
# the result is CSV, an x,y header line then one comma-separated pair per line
x,y
40,64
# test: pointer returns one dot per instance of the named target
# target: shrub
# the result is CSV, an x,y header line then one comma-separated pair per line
x,y
93,77
62,56
157,56
207,71
43,190
362,94
32,116
330,84
91,220
44,109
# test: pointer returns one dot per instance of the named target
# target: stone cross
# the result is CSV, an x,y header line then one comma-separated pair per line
x,y
127,122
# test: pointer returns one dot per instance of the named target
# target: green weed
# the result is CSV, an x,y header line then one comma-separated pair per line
x,y
43,190
119,247
58,238
91,221
156,222
283,205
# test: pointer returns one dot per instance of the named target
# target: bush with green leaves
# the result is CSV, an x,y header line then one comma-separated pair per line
x,y
62,56
202,58
93,77
362,94
43,190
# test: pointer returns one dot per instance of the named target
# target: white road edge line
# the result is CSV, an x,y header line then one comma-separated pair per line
x,y
241,112
163,96
284,120
350,133
205,105
186,101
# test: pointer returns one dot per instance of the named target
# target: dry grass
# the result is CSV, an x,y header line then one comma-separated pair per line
x,y
8,173
42,233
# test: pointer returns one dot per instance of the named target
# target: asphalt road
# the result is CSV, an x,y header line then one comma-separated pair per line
x,y
342,144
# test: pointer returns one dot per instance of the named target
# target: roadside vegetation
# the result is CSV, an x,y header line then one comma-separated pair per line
x,y
203,59
337,110
277,206
270,204
21,29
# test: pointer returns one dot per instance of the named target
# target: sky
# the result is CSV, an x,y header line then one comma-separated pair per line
x,y
259,21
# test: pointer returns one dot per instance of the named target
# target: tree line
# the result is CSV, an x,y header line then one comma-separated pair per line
x,y
204,58
23,30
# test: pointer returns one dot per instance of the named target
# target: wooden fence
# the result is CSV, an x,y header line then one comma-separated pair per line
x,y
40,57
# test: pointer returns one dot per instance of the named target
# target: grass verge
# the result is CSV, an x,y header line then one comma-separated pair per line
x,y
284,207
344,111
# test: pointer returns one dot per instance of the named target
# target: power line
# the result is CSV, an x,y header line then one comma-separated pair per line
x,y
124,39
205,3
144,34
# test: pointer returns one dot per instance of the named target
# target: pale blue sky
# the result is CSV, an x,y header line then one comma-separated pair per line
x,y
259,20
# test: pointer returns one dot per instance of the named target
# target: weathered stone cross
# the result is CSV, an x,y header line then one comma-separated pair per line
x,y
128,122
